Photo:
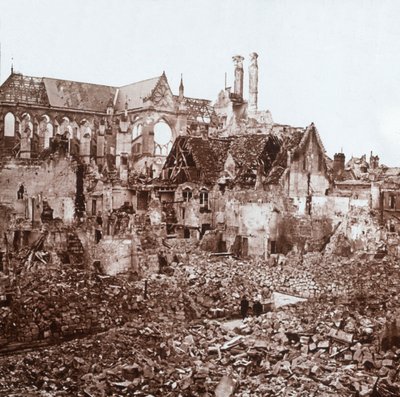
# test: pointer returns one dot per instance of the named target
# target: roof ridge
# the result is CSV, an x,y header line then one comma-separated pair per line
x,y
85,82
79,82
140,81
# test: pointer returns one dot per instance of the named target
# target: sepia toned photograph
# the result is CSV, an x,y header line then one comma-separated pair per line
x,y
199,198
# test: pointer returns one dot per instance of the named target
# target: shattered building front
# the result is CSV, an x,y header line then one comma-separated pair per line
x,y
88,153
138,219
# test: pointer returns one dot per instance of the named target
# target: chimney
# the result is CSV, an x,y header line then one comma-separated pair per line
x,y
373,161
338,163
238,86
253,83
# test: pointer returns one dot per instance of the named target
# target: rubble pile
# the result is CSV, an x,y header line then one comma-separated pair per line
x,y
218,283
311,349
177,333
56,301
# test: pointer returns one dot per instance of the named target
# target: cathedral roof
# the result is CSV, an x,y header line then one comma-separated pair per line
x,y
75,95
134,94
67,94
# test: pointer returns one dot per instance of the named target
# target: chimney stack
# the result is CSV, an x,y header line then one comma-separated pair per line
x,y
253,83
238,86
338,163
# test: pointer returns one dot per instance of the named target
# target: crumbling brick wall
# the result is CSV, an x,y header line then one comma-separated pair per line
x,y
305,233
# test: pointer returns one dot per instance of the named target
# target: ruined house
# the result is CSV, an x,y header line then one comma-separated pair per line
x,y
242,186
118,160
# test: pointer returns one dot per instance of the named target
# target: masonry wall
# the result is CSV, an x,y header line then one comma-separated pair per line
x,y
53,181
115,254
251,214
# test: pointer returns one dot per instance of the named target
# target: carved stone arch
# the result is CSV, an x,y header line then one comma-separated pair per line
x,y
85,128
46,130
26,122
158,150
21,112
65,126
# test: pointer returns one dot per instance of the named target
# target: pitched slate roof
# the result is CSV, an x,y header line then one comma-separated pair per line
x,y
134,94
76,95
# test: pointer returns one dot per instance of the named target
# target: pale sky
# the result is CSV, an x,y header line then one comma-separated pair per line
x,y
332,62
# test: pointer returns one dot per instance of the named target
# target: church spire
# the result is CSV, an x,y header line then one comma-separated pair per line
x,y
181,89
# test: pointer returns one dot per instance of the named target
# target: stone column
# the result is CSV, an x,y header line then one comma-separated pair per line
x,y
253,83
25,151
100,144
85,149
238,85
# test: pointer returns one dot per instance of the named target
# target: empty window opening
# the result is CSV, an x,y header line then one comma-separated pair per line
x,y
124,160
9,125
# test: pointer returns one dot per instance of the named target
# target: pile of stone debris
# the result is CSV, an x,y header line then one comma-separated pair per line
x,y
181,336
302,350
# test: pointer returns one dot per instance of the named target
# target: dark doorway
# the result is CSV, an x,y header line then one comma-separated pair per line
x,y
143,200
245,247
94,207
186,232
273,247
204,228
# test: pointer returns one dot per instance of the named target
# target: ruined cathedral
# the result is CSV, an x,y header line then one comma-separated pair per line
x,y
151,243
112,160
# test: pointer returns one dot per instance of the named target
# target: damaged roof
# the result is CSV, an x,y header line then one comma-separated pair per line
x,y
24,89
76,95
198,109
290,143
209,155
253,153
247,149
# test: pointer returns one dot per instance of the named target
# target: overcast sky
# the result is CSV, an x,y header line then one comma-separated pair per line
x,y
334,63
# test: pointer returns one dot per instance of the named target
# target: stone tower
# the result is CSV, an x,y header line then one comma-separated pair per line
x,y
253,83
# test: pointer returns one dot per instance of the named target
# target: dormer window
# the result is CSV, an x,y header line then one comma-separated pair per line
x,y
203,198
186,195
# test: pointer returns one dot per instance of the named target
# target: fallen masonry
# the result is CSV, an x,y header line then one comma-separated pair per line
x,y
154,244
339,338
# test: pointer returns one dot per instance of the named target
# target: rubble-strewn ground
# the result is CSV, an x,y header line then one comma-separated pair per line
x,y
185,339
